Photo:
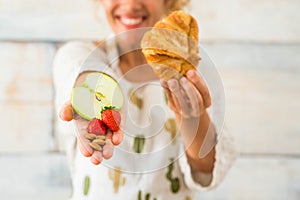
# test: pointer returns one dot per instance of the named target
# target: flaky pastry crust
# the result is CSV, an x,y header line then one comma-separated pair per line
x,y
171,46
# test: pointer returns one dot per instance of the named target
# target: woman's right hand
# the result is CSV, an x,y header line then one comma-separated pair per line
x,y
67,113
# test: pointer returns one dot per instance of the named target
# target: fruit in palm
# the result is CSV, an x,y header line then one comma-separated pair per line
x,y
112,118
97,91
97,127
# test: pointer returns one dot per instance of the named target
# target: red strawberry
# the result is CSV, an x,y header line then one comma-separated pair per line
x,y
111,118
97,127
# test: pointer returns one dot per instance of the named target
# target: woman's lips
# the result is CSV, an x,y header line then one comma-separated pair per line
x,y
131,22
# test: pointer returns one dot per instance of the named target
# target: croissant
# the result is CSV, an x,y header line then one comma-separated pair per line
x,y
171,46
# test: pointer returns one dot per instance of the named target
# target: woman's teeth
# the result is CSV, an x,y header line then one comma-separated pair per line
x,y
131,21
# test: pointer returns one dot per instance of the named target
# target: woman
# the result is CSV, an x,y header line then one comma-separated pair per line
x,y
175,171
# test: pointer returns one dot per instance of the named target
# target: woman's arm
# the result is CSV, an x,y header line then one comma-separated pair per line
x,y
67,113
188,98
198,137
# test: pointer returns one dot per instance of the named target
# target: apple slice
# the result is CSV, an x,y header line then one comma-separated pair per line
x,y
97,91
85,103
106,89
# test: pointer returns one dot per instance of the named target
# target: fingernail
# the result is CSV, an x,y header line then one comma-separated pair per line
x,y
115,139
191,73
95,161
172,84
183,80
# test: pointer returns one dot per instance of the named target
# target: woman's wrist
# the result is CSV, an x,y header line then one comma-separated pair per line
x,y
199,137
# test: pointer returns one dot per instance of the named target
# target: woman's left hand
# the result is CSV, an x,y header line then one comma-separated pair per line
x,y
189,96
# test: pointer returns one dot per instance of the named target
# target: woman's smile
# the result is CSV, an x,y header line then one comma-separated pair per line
x,y
130,22
125,15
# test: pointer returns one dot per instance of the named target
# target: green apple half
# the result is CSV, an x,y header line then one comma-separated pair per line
x,y
97,91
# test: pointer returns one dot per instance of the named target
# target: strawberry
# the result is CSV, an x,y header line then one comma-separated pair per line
x,y
97,127
111,118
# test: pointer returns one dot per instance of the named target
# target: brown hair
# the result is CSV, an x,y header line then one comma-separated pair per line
x,y
177,5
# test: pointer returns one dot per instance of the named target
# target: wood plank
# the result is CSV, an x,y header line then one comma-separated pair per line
x,y
259,178
249,20
50,20
263,110
26,72
26,128
26,94
254,55
34,177
258,20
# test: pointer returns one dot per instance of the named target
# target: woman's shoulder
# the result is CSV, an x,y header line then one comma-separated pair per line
x,y
80,55
76,48
77,51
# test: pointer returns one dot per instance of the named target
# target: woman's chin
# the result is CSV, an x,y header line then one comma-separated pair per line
x,y
131,38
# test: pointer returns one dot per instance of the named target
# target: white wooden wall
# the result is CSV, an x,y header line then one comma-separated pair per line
x,y
254,43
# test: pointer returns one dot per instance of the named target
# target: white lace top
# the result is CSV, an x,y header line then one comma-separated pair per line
x,y
150,163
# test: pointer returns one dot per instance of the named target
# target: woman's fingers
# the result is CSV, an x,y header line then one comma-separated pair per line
x,y
83,143
97,157
108,149
195,99
173,102
188,96
169,96
180,99
117,137
84,147
66,112
201,87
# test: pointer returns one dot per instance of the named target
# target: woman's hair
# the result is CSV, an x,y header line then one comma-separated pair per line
x,y
177,5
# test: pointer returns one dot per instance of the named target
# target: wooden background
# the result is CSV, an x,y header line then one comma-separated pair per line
x,y
254,43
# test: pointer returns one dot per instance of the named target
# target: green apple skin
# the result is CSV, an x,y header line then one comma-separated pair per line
x,y
82,100
97,91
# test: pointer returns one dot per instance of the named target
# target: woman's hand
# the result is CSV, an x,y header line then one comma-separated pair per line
x,y
188,97
67,113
